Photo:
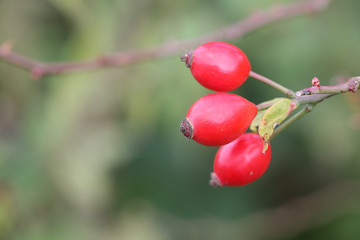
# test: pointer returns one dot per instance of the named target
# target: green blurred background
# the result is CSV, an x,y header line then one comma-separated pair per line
x,y
98,155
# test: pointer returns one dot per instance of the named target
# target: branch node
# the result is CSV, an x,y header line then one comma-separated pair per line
x,y
37,73
303,92
354,84
291,94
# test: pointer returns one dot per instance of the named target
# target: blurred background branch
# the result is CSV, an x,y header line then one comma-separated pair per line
x,y
256,20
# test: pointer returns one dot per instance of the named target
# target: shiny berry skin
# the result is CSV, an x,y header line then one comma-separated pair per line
x,y
241,161
218,66
218,118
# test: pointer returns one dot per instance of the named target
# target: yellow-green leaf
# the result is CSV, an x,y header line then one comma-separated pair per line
x,y
257,120
274,116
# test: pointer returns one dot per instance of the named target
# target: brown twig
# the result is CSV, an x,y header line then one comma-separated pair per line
x,y
351,85
256,20
314,94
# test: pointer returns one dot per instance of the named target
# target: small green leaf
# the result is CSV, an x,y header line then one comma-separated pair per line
x,y
273,116
257,120
264,105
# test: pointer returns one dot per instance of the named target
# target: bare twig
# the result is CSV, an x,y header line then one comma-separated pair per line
x,y
315,94
351,85
310,97
257,20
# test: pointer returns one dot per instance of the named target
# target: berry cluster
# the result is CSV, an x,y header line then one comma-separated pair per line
x,y
221,118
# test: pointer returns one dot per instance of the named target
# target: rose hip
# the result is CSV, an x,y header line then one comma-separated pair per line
x,y
218,118
241,161
218,66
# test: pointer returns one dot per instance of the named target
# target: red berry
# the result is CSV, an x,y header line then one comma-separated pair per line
x,y
241,161
218,118
218,66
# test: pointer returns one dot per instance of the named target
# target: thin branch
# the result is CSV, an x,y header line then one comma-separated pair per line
x,y
351,85
289,93
299,100
316,98
235,31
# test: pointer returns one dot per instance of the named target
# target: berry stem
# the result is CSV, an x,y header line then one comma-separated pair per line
x,y
293,119
289,93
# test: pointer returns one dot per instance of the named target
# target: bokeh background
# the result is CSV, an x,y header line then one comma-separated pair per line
x,y
98,154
